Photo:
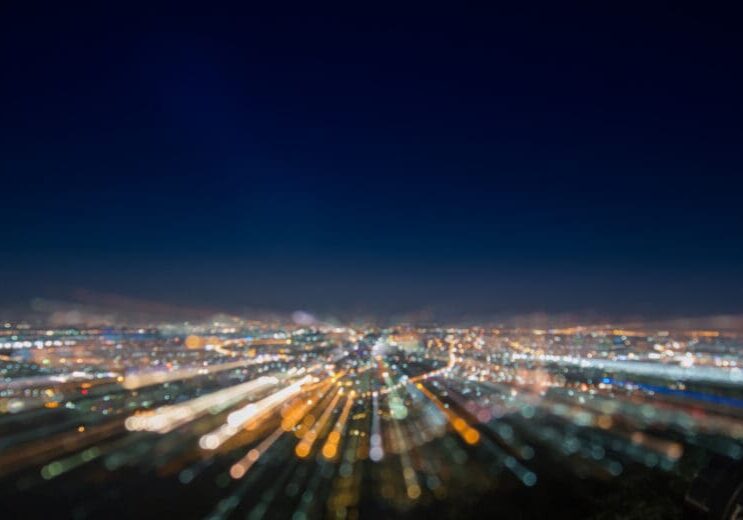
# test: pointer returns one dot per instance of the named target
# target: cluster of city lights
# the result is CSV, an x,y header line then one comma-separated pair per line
x,y
310,420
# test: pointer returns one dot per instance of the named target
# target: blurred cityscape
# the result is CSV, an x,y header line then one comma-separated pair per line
x,y
224,417
445,261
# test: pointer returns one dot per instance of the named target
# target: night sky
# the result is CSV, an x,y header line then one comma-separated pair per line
x,y
559,158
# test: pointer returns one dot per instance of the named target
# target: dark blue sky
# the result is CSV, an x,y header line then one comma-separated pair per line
x,y
555,158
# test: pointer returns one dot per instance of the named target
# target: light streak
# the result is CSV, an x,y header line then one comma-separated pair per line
x,y
330,449
304,446
167,418
469,434
236,419
376,450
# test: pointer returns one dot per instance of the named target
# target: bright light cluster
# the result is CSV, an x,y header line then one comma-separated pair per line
x,y
305,420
